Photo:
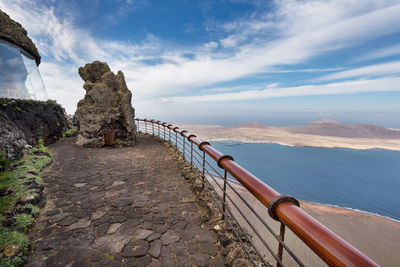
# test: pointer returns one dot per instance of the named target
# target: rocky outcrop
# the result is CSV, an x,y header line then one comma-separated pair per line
x,y
25,122
105,107
13,32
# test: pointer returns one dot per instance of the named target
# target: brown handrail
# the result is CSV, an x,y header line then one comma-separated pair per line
x,y
326,244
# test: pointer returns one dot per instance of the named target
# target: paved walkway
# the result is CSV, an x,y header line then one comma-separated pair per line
x,y
120,207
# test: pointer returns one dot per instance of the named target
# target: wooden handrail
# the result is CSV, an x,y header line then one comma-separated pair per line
x,y
326,244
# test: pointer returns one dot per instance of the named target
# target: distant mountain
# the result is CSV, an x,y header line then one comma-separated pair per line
x,y
334,128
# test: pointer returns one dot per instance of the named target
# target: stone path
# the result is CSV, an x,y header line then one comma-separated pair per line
x,y
120,207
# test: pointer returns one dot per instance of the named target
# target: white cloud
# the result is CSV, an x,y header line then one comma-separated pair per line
x,y
294,32
380,53
348,87
373,70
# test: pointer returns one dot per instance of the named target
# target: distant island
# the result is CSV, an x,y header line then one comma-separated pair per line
x,y
321,133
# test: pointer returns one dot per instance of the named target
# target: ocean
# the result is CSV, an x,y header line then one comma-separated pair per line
x,y
366,180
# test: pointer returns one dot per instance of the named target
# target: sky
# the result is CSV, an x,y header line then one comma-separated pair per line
x,y
226,62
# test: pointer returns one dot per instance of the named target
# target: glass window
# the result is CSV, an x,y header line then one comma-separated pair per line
x,y
19,75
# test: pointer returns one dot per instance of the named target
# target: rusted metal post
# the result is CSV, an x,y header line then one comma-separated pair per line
x,y
164,132
204,168
191,155
280,248
224,196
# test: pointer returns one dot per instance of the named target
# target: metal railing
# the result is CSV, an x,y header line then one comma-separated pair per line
x,y
234,204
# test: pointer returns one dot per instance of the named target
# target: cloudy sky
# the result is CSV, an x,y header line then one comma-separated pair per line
x,y
227,61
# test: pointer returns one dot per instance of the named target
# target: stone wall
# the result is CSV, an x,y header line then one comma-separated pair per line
x,y
24,122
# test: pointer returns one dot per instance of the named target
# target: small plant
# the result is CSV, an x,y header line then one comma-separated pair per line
x,y
97,142
58,124
23,221
69,132
41,146
17,109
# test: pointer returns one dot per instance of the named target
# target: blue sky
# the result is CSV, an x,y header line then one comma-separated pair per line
x,y
227,61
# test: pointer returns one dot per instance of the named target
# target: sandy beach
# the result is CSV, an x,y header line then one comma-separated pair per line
x,y
280,135
377,237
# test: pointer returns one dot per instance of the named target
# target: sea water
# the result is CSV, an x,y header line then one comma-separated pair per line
x,y
366,180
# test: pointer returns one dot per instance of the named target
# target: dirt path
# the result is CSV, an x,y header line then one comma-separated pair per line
x,y
119,207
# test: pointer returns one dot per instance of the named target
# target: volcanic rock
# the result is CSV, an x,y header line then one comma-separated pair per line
x,y
106,107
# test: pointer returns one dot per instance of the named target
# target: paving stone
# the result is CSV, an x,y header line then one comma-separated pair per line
x,y
81,223
82,237
200,259
179,226
143,261
58,217
80,185
117,183
52,212
207,248
130,226
113,228
169,237
46,244
99,213
67,221
155,248
135,249
153,236
143,234
112,243
154,263
102,229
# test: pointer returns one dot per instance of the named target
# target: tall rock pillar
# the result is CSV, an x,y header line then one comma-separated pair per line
x,y
106,107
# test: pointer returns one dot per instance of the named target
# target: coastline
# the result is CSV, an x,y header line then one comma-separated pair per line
x,y
363,230
279,135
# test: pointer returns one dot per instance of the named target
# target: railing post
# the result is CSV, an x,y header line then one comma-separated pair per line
x,y
169,138
280,248
164,130
145,126
176,140
158,127
224,196
204,168
191,155
152,126
183,149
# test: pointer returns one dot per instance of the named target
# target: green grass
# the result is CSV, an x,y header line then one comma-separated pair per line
x,y
23,221
4,162
17,109
16,178
69,132
7,237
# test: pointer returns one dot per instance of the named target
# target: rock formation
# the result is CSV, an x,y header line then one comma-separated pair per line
x,y
105,107
24,122
13,32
